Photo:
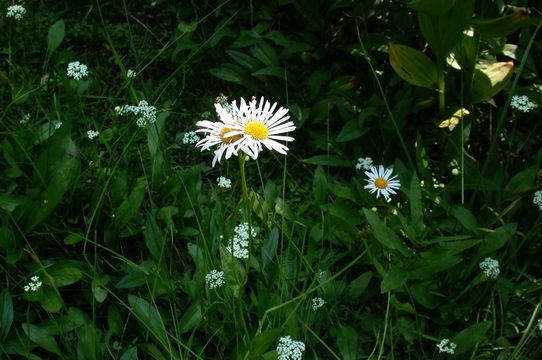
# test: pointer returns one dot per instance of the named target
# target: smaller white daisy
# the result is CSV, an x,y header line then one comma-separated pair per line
x,y
381,181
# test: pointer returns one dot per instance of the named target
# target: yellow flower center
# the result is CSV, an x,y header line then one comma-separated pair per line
x,y
229,139
257,130
381,183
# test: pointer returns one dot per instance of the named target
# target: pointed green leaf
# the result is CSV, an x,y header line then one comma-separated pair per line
x,y
64,274
502,26
413,66
55,37
394,278
6,314
383,234
347,341
263,341
471,336
191,318
416,212
319,186
42,338
149,318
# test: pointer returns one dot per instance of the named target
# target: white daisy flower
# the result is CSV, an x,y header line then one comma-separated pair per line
x,y
219,133
381,181
259,124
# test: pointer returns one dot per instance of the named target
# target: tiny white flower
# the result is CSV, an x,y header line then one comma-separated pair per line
x,y
130,74
224,183
25,119
190,138
289,349
537,199
381,181
77,71
239,243
146,112
16,11
317,303
33,285
522,103
57,124
490,268
446,346
539,324
92,134
215,279
364,163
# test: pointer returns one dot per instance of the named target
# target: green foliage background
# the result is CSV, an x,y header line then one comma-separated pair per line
x,y
122,229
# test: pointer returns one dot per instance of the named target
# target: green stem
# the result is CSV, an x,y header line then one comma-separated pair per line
x,y
244,189
441,91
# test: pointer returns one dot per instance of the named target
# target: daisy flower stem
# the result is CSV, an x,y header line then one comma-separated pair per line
x,y
244,189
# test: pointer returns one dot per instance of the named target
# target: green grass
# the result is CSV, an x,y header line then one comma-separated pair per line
x,y
122,229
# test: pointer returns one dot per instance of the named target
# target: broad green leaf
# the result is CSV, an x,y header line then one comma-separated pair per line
x,y
344,210
489,82
431,262
471,336
42,338
166,214
98,283
413,66
394,278
347,341
275,71
266,54
234,271
319,186
50,299
88,346
465,53
521,182
6,314
496,239
270,247
465,217
416,212
501,26
197,255
422,294
263,341
55,37
433,7
328,160
129,209
129,354
64,274
444,31
359,284
350,131
10,202
383,234
191,318
154,238
149,318
73,239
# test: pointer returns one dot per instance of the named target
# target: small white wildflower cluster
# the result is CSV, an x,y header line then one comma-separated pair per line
x,y
317,303
16,11
223,182
92,134
238,245
446,346
130,74
537,199
215,279
539,324
222,100
146,112
522,103
33,285
77,71
25,119
190,138
57,124
490,267
289,349
364,163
